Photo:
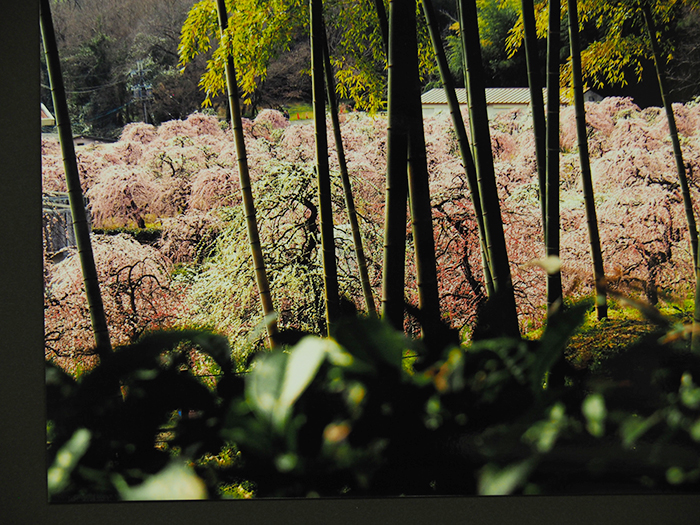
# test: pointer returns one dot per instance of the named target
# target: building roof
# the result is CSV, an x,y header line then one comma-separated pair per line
x,y
496,96
46,117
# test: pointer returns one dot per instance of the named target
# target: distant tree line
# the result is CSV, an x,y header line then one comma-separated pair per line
x,y
109,50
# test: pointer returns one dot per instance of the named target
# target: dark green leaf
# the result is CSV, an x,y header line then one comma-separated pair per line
x,y
560,327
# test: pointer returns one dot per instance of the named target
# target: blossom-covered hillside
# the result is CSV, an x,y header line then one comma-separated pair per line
x,y
181,179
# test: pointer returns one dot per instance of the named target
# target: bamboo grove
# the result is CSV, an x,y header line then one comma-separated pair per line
x,y
393,44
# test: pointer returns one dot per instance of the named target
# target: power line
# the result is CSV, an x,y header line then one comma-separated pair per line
x,y
88,90
109,112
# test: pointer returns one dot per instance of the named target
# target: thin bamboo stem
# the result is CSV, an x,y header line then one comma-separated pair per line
x,y
586,177
552,232
261,280
81,226
330,271
461,132
347,186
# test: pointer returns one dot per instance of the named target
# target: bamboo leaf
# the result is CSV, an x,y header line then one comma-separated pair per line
x,y
496,481
560,327
301,368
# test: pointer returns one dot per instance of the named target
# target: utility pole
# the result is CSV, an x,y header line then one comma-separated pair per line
x,y
142,90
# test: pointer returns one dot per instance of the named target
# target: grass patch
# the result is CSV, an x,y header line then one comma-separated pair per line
x,y
598,340
243,490
300,112
147,235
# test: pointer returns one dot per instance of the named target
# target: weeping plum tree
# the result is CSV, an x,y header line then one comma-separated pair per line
x,y
244,175
625,48
673,130
628,32
75,194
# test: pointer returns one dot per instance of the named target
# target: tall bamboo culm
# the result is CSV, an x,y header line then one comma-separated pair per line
x,y
461,132
330,271
483,156
347,186
393,270
419,190
75,194
536,101
586,178
244,178
552,234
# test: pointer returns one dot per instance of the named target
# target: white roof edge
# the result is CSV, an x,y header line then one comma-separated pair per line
x,y
49,119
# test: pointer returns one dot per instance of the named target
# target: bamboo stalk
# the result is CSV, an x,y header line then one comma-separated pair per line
x,y
347,186
536,101
419,189
330,271
586,178
488,191
552,232
393,271
461,132
246,191
383,22
81,226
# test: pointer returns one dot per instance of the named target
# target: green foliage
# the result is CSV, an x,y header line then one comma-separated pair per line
x,y
223,294
619,47
105,429
342,416
596,341
147,235
260,31
496,18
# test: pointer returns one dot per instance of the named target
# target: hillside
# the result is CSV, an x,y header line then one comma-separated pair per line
x,y
180,179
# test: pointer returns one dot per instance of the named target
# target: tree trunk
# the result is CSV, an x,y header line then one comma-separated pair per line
x,y
554,290
488,191
330,271
461,132
393,271
75,194
347,187
246,192
536,100
586,179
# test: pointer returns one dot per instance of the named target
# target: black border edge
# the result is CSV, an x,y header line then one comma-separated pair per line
x,y
22,405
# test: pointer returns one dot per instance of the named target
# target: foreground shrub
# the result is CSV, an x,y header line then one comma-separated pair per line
x,y
346,416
